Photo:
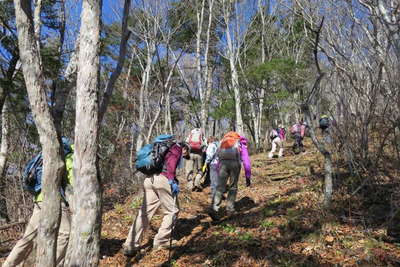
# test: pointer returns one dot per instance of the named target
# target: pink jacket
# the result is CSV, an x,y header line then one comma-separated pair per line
x,y
244,155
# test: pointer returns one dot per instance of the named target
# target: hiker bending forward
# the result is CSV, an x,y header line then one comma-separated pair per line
x,y
24,246
232,152
277,137
160,190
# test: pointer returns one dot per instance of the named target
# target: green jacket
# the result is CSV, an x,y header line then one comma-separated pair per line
x,y
70,176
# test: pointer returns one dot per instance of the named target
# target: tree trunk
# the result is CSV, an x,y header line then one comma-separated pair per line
x,y
84,244
53,165
200,17
5,135
121,59
328,190
232,56
144,93
208,71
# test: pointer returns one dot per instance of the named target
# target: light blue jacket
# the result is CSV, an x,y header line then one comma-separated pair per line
x,y
211,157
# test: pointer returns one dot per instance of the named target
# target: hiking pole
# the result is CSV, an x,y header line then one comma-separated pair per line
x,y
172,231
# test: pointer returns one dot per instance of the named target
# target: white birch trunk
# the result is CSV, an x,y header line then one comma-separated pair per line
x,y
208,71
53,165
200,18
144,93
232,56
5,135
84,244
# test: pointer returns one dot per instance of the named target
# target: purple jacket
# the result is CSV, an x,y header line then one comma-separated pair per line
x,y
171,161
244,155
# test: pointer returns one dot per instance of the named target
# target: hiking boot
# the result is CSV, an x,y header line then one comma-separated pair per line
x,y
167,245
213,214
130,252
197,189
230,212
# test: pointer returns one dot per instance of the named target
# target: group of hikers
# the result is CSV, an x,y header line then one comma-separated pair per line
x,y
277,135
220,160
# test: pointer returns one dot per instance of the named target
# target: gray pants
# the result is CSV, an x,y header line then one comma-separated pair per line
x,y
193,170
25,245
213,179
228,169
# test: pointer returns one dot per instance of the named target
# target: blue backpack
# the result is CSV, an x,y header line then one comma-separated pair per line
x,y
32,176
150,158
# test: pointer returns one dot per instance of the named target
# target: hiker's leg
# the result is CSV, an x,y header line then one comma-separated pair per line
x,y
189,171
296,145
213,178
301,144
197,170
150,205
63,234
271,153
170,207
221,184
232,192
280,144
24,246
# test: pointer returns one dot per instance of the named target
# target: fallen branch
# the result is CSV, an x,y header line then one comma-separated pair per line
x,y
282,177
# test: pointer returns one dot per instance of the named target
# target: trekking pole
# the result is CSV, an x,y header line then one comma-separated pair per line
x,y
172,231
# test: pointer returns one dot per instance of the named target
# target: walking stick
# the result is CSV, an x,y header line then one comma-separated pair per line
x,y
172,231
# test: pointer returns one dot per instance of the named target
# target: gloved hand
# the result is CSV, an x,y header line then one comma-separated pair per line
x,y
248,181
174,186
204,168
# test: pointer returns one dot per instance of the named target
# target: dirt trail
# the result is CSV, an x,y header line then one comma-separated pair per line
x,y
279,222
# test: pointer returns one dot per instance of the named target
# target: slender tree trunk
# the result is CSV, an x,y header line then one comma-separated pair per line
x,y
144,92
37,22
200,18
208,71
121,60
5,135
53,165
232,56
84,244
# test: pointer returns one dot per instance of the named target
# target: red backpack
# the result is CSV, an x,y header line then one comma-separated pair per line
x,y
195,140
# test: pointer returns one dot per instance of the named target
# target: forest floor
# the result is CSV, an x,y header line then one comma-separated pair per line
x,y
279,222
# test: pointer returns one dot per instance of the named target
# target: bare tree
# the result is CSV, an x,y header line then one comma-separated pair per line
x,y
5,135
53,164
234,40
84,244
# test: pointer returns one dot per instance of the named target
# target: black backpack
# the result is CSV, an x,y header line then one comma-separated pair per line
x,y
324,123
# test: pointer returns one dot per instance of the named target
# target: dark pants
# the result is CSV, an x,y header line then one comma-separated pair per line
x,y
298,144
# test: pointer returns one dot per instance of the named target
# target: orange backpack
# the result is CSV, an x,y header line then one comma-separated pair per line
x,y
230,147
229,140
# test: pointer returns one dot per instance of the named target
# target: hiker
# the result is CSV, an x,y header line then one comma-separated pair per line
x,y
211,163
160,190
24,246
277,136
298,130
231,153
324,123
197,144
